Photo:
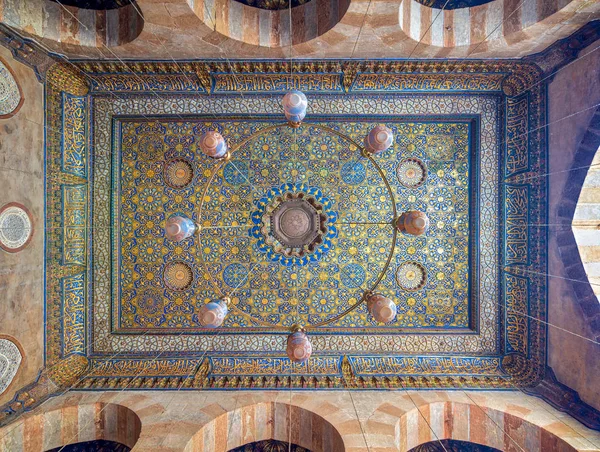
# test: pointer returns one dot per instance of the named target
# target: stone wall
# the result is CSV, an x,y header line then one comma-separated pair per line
x,y
328,421
172,30
22,181
573,97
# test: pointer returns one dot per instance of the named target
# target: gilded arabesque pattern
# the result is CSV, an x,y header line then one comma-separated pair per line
x,y
485,107
229,259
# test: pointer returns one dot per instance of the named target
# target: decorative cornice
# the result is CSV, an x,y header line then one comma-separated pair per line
x,y
219,77
273,382
67,78
26,51
50,382
566,50
565,399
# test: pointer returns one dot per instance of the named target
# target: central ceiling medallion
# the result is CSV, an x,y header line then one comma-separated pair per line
x,y
294,224
298,224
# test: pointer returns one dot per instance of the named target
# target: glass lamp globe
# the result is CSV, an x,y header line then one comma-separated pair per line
x,y
413,222
381,308
179,228
294,107
213,144
379,139
212,314
299,347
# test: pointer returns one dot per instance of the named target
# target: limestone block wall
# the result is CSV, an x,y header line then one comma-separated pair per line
x,y
328,421
71,25
190,29
573,97
467,26
22,181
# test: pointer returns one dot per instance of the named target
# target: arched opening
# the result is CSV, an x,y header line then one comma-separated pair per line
x,y
270,445
269,21
586,224
457,23
475,425
77,427
267,421
452,445
89,23
97,445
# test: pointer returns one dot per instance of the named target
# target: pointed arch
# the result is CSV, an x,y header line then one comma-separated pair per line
x,y
264,421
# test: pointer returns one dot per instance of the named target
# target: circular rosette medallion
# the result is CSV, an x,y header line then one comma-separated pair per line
x,y
411,276
294,224
179,173
178,276
16,227
411,172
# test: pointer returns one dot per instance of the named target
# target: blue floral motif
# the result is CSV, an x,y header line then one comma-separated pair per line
x,y
265,276
235,275
265,301
440,250
442,199
353,172
150,250
236,172
321,302
353,276
150,199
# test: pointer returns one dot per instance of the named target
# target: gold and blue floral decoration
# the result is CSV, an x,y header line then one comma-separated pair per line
x,y
104,175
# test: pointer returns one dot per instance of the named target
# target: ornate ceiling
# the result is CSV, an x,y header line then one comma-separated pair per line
x,y
241,253
123,157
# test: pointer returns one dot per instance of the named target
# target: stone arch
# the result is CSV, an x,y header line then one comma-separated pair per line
x,y
570,247
465,26
263,421
11,359
482,425
11,95
586,223
66,24
270,27
73,424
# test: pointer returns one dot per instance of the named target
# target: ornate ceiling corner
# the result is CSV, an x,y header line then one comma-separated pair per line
x,y
67,78
564,399
26,51
566,50
52,381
